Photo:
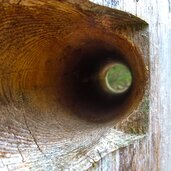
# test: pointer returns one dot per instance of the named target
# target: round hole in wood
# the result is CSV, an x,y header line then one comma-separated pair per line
x,y
116,78
85,94
56,75
51,97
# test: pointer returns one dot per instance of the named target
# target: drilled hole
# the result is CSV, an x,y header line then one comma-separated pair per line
x,y
86,92
116,78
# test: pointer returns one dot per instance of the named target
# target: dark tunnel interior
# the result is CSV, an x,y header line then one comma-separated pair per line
x,y
83,93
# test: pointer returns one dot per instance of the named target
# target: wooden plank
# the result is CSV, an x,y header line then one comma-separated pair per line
x,y
157,14
33,136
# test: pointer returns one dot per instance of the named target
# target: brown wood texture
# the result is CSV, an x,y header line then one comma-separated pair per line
x,y
44,122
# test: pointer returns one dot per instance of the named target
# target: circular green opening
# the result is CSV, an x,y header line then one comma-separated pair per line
x,y
118,78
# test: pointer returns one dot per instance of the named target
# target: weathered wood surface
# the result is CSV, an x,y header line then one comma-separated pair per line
x,y
33,137
158,144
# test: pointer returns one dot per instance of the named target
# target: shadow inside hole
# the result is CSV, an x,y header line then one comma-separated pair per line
x,y
83,95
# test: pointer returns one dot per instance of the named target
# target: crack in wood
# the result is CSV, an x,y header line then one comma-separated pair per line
x,y
93,162
34,139
18,143
100,159
99,154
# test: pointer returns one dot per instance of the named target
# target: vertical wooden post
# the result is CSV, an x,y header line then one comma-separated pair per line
x,y
158,144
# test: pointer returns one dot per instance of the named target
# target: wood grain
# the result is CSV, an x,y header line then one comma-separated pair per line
x,y
44,125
